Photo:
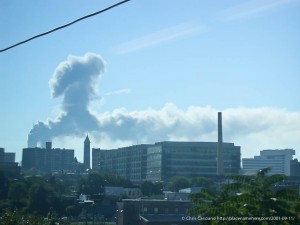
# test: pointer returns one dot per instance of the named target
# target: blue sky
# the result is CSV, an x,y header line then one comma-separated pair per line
x,y
170,66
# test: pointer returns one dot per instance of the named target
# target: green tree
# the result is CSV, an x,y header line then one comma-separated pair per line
x,y
73,210
146,188
93,183
247,197
3,185
17,194
39,197
149,188
203,182
176,183
18,218
114,180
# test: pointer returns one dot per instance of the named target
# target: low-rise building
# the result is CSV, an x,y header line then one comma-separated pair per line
x,y
154,212
130,193
182,194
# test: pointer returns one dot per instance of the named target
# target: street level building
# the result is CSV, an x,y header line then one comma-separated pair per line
x,y
154,212
278,160
48,159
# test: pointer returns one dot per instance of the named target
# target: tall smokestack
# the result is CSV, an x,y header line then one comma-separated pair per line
x,y
220,146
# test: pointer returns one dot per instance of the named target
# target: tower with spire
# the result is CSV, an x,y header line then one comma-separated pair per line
x,y
86,153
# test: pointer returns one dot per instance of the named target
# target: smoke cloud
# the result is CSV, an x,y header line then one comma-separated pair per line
x,y
75,80
253,129
274,126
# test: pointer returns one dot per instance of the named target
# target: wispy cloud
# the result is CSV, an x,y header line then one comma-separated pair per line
x,y
160,37
117,92
251,8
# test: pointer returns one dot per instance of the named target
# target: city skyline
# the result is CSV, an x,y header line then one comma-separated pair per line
x,y
85,161
166,69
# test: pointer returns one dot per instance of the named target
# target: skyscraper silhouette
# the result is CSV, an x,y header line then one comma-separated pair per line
x,y
86,154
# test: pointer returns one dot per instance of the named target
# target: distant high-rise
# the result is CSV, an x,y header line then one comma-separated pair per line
x,y
7,162
220,146
7,156
278,160
2,154
48,159
86,153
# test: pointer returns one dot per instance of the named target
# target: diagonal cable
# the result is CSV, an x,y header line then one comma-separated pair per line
x,y
64,26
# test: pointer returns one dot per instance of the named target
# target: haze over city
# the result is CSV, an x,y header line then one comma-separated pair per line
x,y
151,71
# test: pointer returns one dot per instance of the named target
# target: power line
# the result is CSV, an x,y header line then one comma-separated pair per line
x,y
64,26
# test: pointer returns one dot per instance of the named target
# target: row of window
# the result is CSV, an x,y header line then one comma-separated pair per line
x,y
162,210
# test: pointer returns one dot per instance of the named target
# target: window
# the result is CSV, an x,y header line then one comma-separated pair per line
x,y
145,209
166,210
176,210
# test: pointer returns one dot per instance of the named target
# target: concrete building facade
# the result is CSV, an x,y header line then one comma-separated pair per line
x,y
48,159
154,212
2,152
295,168
278,160
7,162
10,157
7,156
188,159
129,162
163,160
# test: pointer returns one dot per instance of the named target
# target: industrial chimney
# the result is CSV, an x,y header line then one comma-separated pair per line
x,y
220,146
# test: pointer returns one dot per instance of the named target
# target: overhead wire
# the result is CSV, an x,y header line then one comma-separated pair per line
x,y
64,26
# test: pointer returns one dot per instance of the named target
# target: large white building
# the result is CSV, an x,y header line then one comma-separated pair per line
x,y
278,160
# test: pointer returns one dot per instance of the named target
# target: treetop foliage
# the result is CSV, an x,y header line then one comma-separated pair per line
x,y
248,197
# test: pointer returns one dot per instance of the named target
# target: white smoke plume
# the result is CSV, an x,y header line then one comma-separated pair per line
x,y
253,129
267,126
76,81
